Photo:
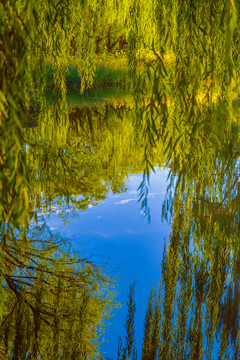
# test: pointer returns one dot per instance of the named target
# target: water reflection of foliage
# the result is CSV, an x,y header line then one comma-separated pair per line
x,y
204,42
200,269
200,291
100,153
55,300
207,176
199,298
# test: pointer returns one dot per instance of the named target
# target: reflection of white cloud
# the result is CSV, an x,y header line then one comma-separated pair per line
x,y
99,217
90,206
132,192
124,201
129,231
104,235
52,228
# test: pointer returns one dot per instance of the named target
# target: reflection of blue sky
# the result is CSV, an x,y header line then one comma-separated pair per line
x,y
116,231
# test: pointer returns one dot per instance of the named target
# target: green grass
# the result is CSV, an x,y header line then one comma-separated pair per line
x,y
97,95
110,71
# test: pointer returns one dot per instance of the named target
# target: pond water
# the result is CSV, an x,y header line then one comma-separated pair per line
x,y
111,228
119,191
116,232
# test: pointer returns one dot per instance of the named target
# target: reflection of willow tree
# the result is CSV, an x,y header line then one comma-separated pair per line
x,y
202,41
180,94
194,114
200,286
36,34
98,156
195,285
205,162
54,303
200,270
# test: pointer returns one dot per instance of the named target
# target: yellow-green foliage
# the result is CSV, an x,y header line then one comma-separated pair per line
x,y
55,303
98,156
187,110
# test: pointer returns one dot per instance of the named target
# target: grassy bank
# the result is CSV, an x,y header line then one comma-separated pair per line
x,y
110,71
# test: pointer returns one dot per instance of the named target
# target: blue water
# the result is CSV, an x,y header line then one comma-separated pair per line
x,y
116,232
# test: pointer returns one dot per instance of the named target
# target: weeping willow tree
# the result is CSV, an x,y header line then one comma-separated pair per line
x,y
183,91
192,80
188,67
199,289
35,34
194,62
52,303
98,156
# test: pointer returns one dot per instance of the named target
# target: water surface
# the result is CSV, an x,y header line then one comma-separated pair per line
x,y
100,193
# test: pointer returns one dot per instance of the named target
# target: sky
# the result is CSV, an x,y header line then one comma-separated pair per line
x,y
116,233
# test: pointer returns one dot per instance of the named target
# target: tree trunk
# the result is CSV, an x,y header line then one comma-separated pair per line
x,y
122,43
